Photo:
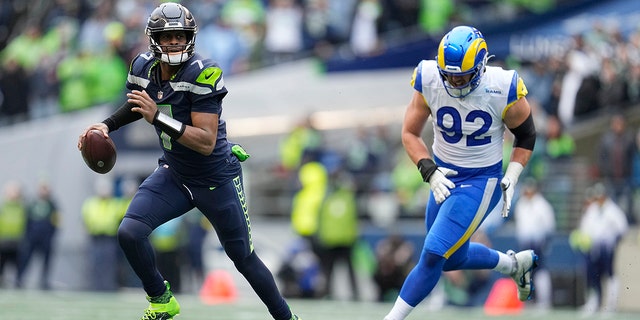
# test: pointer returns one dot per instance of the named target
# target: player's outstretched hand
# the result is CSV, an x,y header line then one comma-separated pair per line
x,y
440,185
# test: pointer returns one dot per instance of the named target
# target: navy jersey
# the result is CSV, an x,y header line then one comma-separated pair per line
x,y
197,87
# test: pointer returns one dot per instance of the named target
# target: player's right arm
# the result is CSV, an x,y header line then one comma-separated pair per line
x,y
415,118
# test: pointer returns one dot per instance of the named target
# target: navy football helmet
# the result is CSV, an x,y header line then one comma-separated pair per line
x,y
171,17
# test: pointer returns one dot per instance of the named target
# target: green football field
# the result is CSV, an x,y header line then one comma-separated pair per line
x,y
75,305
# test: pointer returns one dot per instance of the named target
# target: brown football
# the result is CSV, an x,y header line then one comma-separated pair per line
x,y
98,152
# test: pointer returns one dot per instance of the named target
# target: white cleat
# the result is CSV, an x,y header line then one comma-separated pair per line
x,y
526,262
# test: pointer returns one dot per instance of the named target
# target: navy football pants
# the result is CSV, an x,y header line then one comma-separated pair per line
x,y
161,197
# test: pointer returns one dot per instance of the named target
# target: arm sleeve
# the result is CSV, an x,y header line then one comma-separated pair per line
x,y
121,117
525,134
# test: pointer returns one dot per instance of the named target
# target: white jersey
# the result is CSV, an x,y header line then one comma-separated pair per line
x,y
469,131
604,223
535,219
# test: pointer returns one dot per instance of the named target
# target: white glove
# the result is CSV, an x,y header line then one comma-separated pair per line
x,y
440,185
508,184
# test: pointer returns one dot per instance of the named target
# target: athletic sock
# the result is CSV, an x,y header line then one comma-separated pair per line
x,y
506,264
400,310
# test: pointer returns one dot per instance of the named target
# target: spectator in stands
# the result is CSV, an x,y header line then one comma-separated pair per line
x,y
364,39
198,227
540,77
410,189
338,231
14,93
360,160
26,48
13,222
303,139
582,64
225,45
614,159
102,214
283,39
381,202
316,27
300,272
557,144
307,201
58,43
75,82
42,223
109,71
247,17
633,81
635,177
632,76
326,25
435,15
612,93
601,228
397,15
535,224
395,258
167,240
91,37
559,149
559,67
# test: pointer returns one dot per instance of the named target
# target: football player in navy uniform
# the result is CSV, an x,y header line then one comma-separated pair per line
x,y
180,93
471,104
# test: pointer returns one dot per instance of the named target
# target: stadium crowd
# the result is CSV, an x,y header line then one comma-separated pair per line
x,y
60,56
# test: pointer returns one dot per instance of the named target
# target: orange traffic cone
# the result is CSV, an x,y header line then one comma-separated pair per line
x,y
218,287
503,299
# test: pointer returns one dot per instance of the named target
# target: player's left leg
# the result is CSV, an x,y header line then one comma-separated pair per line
x,y
449,225
159,199
226,209
162,307
612,285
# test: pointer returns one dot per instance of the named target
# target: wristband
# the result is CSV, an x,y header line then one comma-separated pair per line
x,y
513,171
172,127
426,167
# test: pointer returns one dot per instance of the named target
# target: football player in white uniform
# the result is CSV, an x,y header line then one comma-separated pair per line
x,y
471,104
